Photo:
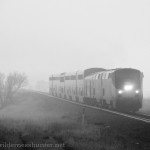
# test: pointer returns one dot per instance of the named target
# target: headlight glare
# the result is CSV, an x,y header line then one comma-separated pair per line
x,y
128,87
137,91
120,91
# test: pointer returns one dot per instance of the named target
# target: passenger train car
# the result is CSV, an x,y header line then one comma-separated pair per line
x,y
120,89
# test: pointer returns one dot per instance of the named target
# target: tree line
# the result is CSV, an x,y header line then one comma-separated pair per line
x,y
9,86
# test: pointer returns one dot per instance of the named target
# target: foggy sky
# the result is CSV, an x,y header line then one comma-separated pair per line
x,y
41,37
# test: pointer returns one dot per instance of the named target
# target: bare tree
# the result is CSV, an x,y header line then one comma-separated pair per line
x,y
2,85
13,83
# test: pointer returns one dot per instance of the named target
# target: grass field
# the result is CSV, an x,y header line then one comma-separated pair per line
x,y
34,122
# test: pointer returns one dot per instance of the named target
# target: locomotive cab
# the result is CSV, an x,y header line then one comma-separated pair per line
x,y
128,84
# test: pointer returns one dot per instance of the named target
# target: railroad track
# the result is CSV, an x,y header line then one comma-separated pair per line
x,y
144,114
137,116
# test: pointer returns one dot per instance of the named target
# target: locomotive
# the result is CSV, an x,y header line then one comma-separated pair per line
x,y
118,89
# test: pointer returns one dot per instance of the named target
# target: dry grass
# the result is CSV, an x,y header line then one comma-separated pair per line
x,y
35,121
74,135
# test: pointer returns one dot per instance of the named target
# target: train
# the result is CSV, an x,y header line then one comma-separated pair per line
x,y
117,89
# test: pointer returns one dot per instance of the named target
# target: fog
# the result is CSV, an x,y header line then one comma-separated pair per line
x,y
43,37
30,109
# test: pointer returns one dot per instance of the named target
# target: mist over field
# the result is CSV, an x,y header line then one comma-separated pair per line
x,y
44,37
27,108
39,38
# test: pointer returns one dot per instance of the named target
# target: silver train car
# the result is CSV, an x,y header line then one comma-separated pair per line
x,y
120,89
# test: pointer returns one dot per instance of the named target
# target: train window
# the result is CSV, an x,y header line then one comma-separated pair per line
x,y
103,91
81,93
86,87
80,77
61,79
96,76
93,91
101,76
73,77
67,78
107,74
90,88
55,78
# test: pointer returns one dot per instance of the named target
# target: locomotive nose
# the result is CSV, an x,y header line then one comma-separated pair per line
x,y
128,91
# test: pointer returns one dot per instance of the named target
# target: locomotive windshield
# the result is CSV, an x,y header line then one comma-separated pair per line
x,y
129,77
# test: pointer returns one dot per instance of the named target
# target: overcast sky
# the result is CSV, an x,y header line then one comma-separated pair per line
x,y
40,37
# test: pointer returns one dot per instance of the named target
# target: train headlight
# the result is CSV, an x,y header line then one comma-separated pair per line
x,y
128,87
137,91
120,91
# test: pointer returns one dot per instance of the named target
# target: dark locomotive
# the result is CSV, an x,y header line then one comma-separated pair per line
x,y
120,89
